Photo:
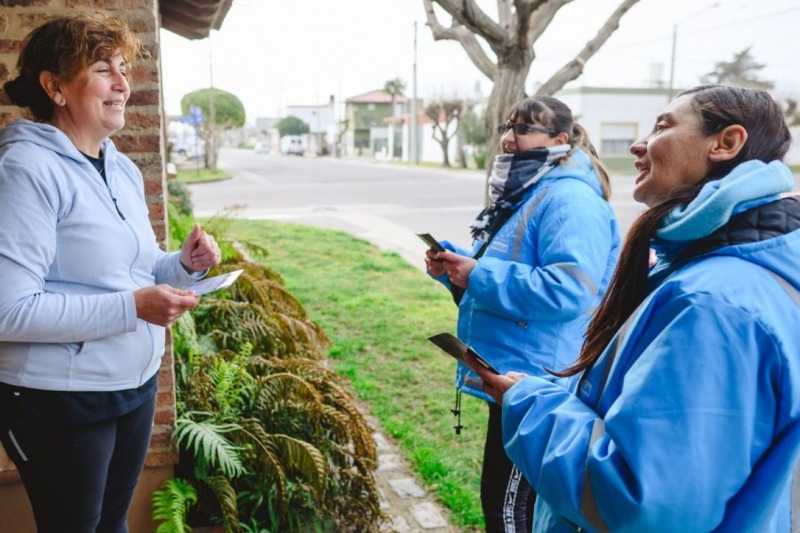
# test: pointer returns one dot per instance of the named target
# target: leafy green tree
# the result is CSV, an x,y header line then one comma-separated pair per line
x,y
742,71
228,109
291,126
221,110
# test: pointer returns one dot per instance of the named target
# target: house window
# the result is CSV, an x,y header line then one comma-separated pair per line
x,y
371,107
616,138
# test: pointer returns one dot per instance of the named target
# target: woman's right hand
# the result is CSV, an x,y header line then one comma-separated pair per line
x,y
162,304
436,267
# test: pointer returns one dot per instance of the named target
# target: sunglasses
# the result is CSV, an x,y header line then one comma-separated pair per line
x,y
522,129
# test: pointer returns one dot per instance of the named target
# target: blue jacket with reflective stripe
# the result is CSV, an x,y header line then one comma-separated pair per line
x,y
528,299
696,428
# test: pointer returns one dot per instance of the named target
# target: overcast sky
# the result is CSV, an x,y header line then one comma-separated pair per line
x,y
300,52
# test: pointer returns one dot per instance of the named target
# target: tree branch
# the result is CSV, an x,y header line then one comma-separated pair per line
x,y
467,13
540,17
464,36
574,68
504,15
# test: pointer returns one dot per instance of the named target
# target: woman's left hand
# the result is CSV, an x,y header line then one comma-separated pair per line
x,y
200,251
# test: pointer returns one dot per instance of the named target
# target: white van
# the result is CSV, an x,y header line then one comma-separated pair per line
x,y
292,145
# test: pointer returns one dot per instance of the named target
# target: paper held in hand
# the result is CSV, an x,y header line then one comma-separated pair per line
x,y
214,283
452,345
432,243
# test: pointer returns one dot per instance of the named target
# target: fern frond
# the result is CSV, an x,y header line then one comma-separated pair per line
x,y
302,458
281,388
170,505
226,496
206,441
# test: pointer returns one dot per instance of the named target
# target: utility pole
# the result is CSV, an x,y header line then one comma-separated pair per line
x,y
671,91
414,126
211,157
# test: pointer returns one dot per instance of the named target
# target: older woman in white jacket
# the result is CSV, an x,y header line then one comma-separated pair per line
x,y
86,290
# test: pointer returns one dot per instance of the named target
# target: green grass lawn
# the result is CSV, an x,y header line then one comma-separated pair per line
x,y
378,311
191,175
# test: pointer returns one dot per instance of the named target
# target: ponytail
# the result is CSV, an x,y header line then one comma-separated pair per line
x,y
556,115
580,139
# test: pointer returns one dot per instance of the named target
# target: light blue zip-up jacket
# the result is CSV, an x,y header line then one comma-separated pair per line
x,y
528,299
69,265
698,426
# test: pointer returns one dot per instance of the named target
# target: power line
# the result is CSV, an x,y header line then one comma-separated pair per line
x,y
747,21
666,37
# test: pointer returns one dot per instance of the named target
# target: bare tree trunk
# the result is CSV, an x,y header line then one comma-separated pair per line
x,y
461,161
444,142
212,152
212,141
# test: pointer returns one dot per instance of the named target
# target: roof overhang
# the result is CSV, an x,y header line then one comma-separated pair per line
x,y
193,19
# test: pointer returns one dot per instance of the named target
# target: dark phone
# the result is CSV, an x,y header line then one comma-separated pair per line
x,y
432,243
453,346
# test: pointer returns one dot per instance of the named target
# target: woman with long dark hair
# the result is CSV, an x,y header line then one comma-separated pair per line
x,y
686,414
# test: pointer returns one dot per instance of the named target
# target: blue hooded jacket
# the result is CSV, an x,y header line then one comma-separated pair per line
x,y
528,299
69,264
697,427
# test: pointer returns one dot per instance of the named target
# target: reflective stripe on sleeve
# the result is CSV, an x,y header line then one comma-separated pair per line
x,y
578,274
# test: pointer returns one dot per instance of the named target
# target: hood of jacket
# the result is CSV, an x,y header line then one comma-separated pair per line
x,y
52,139
742,213
578,166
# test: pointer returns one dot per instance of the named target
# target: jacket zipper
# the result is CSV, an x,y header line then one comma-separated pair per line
x,y
111,193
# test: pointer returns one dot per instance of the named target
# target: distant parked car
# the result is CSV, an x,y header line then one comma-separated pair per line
x,y
292,145
262,147
185,150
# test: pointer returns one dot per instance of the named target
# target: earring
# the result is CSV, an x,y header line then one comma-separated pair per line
x,y
61,102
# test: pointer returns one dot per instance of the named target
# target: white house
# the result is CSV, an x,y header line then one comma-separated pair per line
x,y
430,151
321,120
614,117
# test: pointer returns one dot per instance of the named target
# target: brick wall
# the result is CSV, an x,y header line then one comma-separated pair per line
x,y
142,140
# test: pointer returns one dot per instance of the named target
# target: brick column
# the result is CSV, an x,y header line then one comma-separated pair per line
x,y
143,141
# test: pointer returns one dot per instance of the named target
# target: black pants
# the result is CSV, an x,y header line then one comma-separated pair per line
x,y
80,477
506,496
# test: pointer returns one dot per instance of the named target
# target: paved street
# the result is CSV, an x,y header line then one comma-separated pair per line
x,y
382,203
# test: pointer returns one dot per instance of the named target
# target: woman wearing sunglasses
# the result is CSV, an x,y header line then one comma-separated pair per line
x,y
543,254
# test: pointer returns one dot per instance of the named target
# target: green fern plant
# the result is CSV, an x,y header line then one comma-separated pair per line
x,y
170,505
268,437
208,443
